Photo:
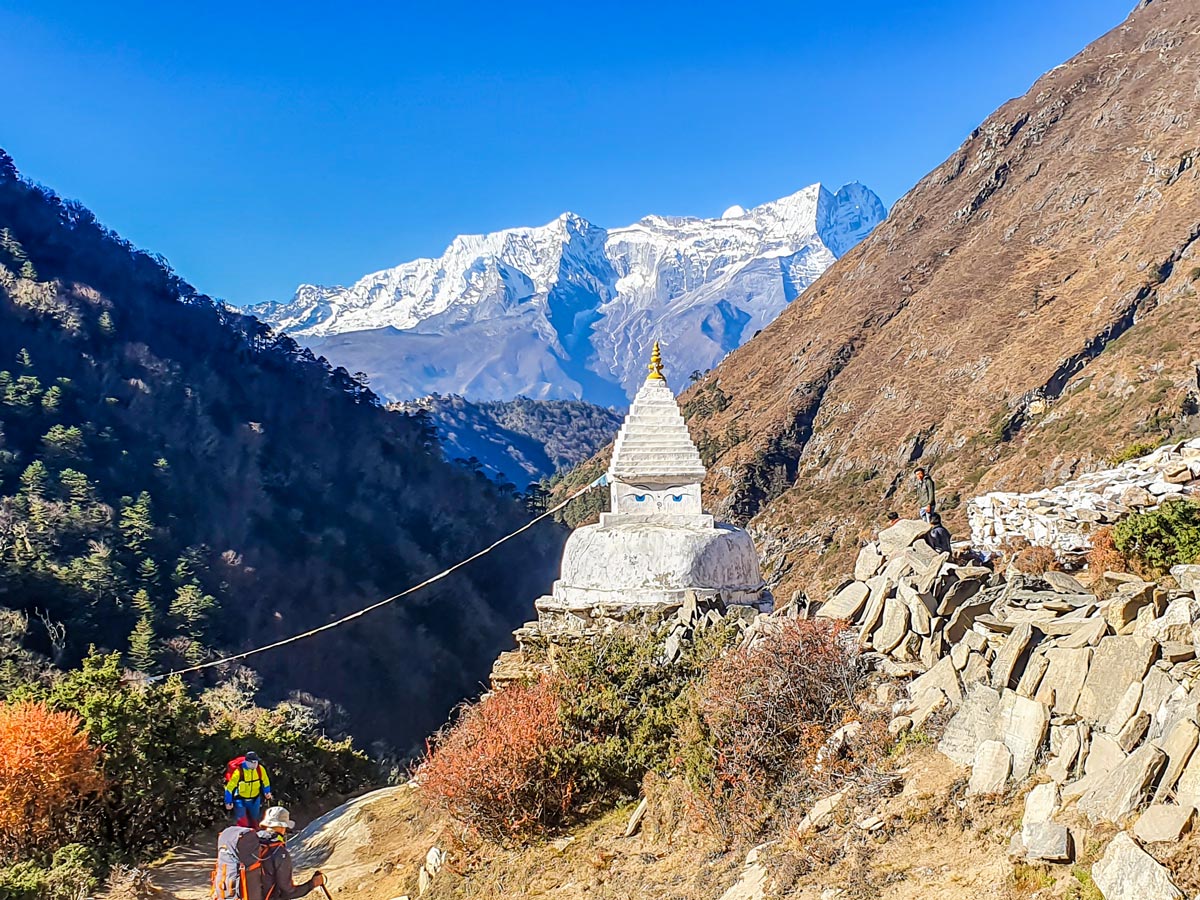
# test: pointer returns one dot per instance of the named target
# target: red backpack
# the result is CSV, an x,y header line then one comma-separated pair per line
x,y
233,765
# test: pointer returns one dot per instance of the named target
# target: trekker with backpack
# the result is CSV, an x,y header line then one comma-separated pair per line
x,y
256,865
246,785
277,862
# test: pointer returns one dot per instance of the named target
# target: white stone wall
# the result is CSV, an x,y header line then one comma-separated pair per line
x,y
1064,517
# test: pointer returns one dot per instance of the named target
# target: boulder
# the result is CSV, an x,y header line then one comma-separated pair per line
x,y
1066,672
1087,634
1127,872
901,536
1063,766
990,769
1188,577
963,619
919,619
1124,789
1041,804
1125,604
1023,725
1103,755
846,603
1175,624
975,722
944,676
1047,842
893,626
1134,730
1125,709
869,561
1179,746
1035,669
1117,662
926,704
1062,583
1162,822
1010,654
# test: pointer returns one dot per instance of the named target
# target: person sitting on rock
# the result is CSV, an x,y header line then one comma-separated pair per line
x,y
926,494
938,537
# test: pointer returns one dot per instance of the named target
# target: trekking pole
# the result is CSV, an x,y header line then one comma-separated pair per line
x,y
325,891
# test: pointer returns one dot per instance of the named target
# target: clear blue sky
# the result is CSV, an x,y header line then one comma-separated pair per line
x,y
259,145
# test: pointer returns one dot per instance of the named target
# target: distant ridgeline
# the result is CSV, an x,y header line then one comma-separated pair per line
x,y
177,480
517,441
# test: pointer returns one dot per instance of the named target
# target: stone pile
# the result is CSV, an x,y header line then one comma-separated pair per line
x,y
1101,687
1063,518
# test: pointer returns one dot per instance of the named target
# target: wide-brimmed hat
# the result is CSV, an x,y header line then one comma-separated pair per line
x,y
277,817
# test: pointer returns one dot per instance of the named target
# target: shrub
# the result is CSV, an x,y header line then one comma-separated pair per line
x,y
1133,451
623,706
47,770
1161,538
70,875
761,716
1104,555
1035,560
494,769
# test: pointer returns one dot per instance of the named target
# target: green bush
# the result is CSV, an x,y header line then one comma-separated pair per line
x,y
163,754
625,705
1161,538
1133,451
71,873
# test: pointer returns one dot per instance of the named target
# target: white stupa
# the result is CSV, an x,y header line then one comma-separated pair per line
x,y
657,544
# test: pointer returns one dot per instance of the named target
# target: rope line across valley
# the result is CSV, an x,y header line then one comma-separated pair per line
x,y
374,606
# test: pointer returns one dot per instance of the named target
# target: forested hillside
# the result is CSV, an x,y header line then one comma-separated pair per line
x,y
519,440
176,480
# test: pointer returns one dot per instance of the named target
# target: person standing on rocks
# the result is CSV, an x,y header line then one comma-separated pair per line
x,y
926,496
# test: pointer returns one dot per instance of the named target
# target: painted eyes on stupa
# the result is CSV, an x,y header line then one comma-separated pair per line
x,y
678,498
640,498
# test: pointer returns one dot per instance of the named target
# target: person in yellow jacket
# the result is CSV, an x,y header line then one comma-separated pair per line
x,y
248,783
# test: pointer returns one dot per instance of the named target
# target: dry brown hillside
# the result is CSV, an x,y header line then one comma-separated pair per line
x,y
1027,309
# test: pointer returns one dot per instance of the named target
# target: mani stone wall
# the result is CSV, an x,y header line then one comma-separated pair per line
x,y
1064,517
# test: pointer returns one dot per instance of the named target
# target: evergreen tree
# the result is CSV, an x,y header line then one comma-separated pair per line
x,y
141,645
143,603
24,360
147,572
33,480
52,400
137,524
64,442
105,323
190,606
28,271
76,487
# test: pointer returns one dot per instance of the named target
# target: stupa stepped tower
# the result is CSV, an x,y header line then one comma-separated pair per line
x,y
656,549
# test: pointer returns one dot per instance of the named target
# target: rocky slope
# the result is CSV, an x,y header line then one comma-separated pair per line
x,y
569,309
1027,309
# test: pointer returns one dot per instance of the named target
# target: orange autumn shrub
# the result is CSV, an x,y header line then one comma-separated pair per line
x,y
495,769
47,769
763,715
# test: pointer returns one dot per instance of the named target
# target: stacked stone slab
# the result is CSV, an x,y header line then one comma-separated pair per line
x,y
1063,518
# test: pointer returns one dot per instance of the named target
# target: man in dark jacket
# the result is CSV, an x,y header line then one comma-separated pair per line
x,y
938,537
277,862
926,495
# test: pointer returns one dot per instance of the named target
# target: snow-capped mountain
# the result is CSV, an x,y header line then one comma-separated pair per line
x,y
569,310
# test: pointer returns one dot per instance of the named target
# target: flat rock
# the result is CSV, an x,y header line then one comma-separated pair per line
x,y
1104,754
1175,652
1162,822
1023,726
1047,842
1127,872
1010,654
846,603
990,769
944,676
869,562
1031,678
1062,583
1188,577
1175,624
1066,672
1179,746
902,535
1063,766
893,626
1125,709
1086,634
1117,662
975,722
1041,804
1124,789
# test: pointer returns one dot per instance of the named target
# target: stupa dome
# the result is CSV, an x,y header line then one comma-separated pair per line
x,y
657,544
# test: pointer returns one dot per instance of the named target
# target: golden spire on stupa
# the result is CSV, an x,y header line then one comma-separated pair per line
x,y
655,366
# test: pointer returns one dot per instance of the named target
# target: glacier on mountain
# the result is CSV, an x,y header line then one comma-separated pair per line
x,y
569,309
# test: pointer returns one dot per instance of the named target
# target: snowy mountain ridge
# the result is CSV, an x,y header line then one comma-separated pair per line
x,y
569,309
